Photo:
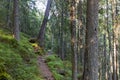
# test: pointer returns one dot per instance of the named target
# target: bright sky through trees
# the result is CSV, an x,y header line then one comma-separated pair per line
x,y
41,4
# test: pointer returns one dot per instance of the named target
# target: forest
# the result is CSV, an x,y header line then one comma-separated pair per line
x,y
59,40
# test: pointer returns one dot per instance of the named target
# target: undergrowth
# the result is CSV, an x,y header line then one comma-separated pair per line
x,y
17,59
61,69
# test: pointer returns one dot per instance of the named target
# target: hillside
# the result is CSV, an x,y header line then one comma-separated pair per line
x,y
17,59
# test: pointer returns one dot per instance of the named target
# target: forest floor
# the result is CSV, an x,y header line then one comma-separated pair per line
x,y
44,69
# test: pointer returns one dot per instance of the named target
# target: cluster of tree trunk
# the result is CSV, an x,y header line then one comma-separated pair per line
x,y
86,31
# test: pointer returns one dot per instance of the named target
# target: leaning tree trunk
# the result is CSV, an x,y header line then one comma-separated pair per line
x,y
41,34
91,49
16,20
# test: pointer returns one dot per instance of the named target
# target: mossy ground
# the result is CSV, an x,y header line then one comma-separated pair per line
x,y
61,69
17,59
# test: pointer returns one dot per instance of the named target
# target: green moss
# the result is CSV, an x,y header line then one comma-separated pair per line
x,y
5,76
17,59
50,58
57,76
61,69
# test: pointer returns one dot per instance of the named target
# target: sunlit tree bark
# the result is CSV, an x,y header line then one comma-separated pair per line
x,y
73,39
81,32
116,28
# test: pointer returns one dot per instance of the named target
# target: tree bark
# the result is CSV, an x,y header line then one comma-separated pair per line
x,y
109,42
16,20
8,14
41,34
91,49
73,39
116,28
81,33
105,59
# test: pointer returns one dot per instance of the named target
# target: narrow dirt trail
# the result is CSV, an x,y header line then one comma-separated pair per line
x,y
44,70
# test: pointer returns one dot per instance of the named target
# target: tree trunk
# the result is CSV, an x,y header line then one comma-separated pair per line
x,y
73,40
91,49
105,59
8,14
43,26
62,33
16,20
81,33
116,29
109,43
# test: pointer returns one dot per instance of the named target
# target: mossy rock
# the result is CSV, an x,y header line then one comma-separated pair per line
x,y
38,50
33,40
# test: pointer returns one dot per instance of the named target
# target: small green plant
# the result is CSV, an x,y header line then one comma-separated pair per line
x,y
50,58
57,76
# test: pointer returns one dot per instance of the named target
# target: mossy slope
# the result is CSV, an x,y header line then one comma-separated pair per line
x,y
17,60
